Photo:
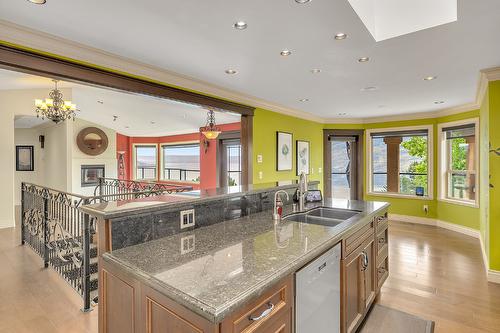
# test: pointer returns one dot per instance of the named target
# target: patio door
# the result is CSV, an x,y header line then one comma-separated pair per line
x,y
343,164
230,173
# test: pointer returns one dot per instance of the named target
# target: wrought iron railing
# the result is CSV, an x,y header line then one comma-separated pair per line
x,y
62,235
112,186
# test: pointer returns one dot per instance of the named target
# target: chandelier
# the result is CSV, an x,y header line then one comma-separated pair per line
x,y
210,131
55,108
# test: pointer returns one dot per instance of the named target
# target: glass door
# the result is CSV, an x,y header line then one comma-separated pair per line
x,y
343,155
231,162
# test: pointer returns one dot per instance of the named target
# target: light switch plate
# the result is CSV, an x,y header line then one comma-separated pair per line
x,y
261,174
187,218
259,158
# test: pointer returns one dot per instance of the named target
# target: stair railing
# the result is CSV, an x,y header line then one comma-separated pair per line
x,y
109,186
53,225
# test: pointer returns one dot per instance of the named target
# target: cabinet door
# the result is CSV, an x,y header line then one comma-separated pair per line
x,y
353,293
369,255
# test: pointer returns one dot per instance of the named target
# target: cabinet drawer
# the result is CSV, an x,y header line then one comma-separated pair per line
x,y
382,272
281,323
263,312
359,237
381,223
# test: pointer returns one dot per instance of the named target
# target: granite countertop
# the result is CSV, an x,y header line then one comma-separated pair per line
x,y
114,209
232,262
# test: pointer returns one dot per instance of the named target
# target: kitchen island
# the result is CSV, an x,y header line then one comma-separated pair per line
x,y
224,276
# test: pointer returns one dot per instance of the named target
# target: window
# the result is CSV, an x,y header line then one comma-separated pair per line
x,y
181,162
232,160
400,161
145,161
458,162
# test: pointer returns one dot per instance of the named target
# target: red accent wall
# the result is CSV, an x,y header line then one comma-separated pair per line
x,y
208,159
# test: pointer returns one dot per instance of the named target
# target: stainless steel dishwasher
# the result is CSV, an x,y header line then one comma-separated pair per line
x,y
317,294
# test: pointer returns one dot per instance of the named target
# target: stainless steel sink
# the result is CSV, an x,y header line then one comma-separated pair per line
x,y
323,216
333,213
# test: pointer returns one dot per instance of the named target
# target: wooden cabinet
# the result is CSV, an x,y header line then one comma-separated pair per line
x,y
364,269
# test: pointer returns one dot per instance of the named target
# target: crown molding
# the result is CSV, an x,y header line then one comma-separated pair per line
x,y
24,37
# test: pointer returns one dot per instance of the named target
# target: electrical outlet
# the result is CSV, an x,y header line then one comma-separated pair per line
x,y
320,170
426,209
259,158
187,244
187,218
261,174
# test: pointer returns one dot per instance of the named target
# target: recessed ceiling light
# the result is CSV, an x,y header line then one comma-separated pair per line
x,y
152,122
302,1
342,113
363,59
439,102
304,100
430,78
240,25
340,36
371,88
286,53
231,71
38,2
315,70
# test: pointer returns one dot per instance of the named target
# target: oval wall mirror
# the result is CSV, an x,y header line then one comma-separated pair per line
x,y
92,141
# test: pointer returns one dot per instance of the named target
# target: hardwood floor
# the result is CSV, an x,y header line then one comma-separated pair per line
x,y
439,275
436,274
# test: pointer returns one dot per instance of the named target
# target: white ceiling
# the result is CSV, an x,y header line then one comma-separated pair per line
x,y
21,121
196,38
138,115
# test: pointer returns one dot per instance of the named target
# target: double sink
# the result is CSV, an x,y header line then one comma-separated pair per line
x,y
329,217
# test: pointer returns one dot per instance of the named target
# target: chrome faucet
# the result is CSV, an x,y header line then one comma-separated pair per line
x,y
278,203
302,190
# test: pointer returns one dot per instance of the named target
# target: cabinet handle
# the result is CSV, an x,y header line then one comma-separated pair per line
x,y
264,313
364,261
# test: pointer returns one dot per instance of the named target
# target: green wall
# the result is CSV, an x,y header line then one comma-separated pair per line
x,y
265,126
494,171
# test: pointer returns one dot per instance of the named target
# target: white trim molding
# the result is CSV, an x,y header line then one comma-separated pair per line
x,y
430,161
492,275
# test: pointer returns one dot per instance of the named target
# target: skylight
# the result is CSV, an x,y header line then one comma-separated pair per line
x,y
392,18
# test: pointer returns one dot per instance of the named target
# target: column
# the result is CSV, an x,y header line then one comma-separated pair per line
x,y
393,143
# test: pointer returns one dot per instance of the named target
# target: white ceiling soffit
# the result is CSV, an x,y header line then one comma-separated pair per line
x,y
25,122
387,19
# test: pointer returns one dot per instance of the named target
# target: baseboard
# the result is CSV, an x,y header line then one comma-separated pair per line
x,y
492,275
438,223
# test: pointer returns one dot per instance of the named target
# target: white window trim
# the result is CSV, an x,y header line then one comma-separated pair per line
x,y
430,161
134,161
162,159
442,179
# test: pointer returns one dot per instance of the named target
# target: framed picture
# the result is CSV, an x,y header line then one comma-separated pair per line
x,y
25,159
303,154
91,175
284,151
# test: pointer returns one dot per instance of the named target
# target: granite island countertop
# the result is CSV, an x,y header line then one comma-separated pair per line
x,y
225,265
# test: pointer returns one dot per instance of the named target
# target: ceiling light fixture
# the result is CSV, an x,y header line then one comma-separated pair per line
x,y
340,36
439,102
231,71
315,70
363,59
304,100
372,88
302,1
430,78
55,108
210,130
240,25
286,53
38,2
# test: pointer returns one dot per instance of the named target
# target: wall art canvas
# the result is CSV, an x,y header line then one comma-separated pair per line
x,y
284,151
25,158
303,154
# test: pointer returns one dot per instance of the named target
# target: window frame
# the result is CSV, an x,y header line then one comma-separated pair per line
x,y
162,159
443,163
430,162
134,160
